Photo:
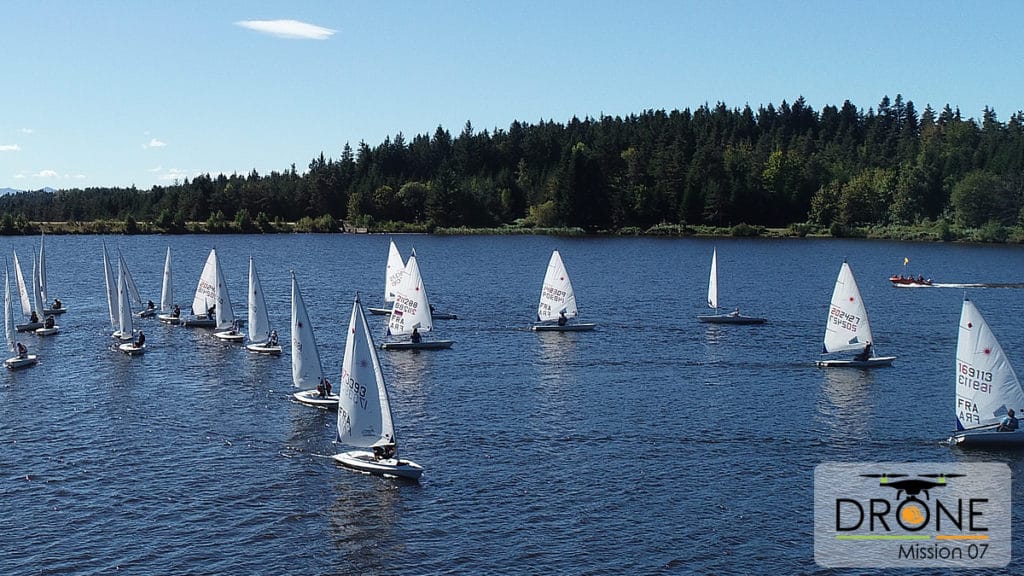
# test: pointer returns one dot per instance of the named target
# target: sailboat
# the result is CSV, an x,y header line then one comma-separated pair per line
x,y
226,326
205,297
262,338
732,318
847,328
48,328
128,344
169,312
19,360
26,302
307,371
364,411
133,289
557,300
392,279
113,309
411,315
58,306
986,385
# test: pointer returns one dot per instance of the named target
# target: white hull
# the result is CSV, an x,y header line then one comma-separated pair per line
x,y
169,318
147,313
262,348
432,345
566,328
15,362
729,319
876,362
54,311
230,336
47,331
29,327
131,349
988,438
313,398
363,461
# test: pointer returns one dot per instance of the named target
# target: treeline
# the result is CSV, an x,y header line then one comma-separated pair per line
x,y
832,169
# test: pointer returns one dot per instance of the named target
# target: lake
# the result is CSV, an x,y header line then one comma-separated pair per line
x,y
654,444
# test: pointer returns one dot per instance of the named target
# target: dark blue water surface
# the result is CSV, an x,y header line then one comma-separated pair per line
x,y
653,445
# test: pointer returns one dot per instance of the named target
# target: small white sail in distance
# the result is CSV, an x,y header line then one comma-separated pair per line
x,y
307,370
847,327
556,294
713,281
394,273
167,287
259,318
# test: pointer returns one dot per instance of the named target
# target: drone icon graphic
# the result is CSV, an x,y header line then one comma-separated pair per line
x,y
912,487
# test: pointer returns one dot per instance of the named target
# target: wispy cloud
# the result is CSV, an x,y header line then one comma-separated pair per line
x,y
154,143
26,130
157,169
20,176
47,174
9,148
288,29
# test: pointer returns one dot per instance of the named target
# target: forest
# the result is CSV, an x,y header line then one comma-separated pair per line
x,y
842,170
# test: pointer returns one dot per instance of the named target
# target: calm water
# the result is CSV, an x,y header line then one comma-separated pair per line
x,y
653,445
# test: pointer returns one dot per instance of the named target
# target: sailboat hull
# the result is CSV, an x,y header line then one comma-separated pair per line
x,y
131,349
16,362
727,319
29,327
148,312
199,322
877,362
313,398
380,311
54,311
433,315
987,439
230,336
263,348
47,331
432,345
169,318
566,328
363,461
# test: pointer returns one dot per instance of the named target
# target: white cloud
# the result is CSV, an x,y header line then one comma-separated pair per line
x,y
19,176
157,169
47,174
26,130
9,148
154,143
287,29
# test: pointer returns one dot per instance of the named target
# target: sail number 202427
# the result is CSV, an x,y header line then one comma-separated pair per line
x,y
972,378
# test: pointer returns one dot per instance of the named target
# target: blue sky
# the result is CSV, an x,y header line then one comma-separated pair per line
x,y
121,93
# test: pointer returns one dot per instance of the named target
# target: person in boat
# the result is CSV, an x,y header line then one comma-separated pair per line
x,y
234,326
735,312
56,304
211,311
141,340
562,320
177,311
415,336
272,339
49,322
150,305
22,350
320,388
33,318
327,388
1009,422
920,279
865,354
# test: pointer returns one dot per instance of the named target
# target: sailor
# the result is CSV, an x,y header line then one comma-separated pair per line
x,y
33,318
177,311
56,304
415,336
22,351
49,322
562,320
272,340
150,305
865,354
141,340
1008,423
735,312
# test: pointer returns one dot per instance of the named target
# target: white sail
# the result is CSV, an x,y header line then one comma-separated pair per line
x,y
713,281
986,385
556,295
19,277
42,269
108,278
411,309
364,413
259,318
206,290
847,327
307,371
37,295
167,288
225,315
394,273
124,305
12,335
129,282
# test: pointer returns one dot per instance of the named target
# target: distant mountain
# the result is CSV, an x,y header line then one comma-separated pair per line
x,y
6,191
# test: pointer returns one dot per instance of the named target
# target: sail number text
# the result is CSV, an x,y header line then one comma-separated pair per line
x,y
844,319
972,378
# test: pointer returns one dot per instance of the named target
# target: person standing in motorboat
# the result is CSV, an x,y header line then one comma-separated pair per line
x,y
1009,423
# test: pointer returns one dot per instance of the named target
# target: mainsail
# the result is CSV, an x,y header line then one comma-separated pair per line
x,y
986,385
364,412
556,295
847,327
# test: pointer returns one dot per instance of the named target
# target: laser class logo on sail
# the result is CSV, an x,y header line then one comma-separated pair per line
x,y
938,514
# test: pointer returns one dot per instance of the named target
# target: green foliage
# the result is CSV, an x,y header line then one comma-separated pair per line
x,y
130,226
243,221
982,197
216,224
992,232
544,215
744,230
